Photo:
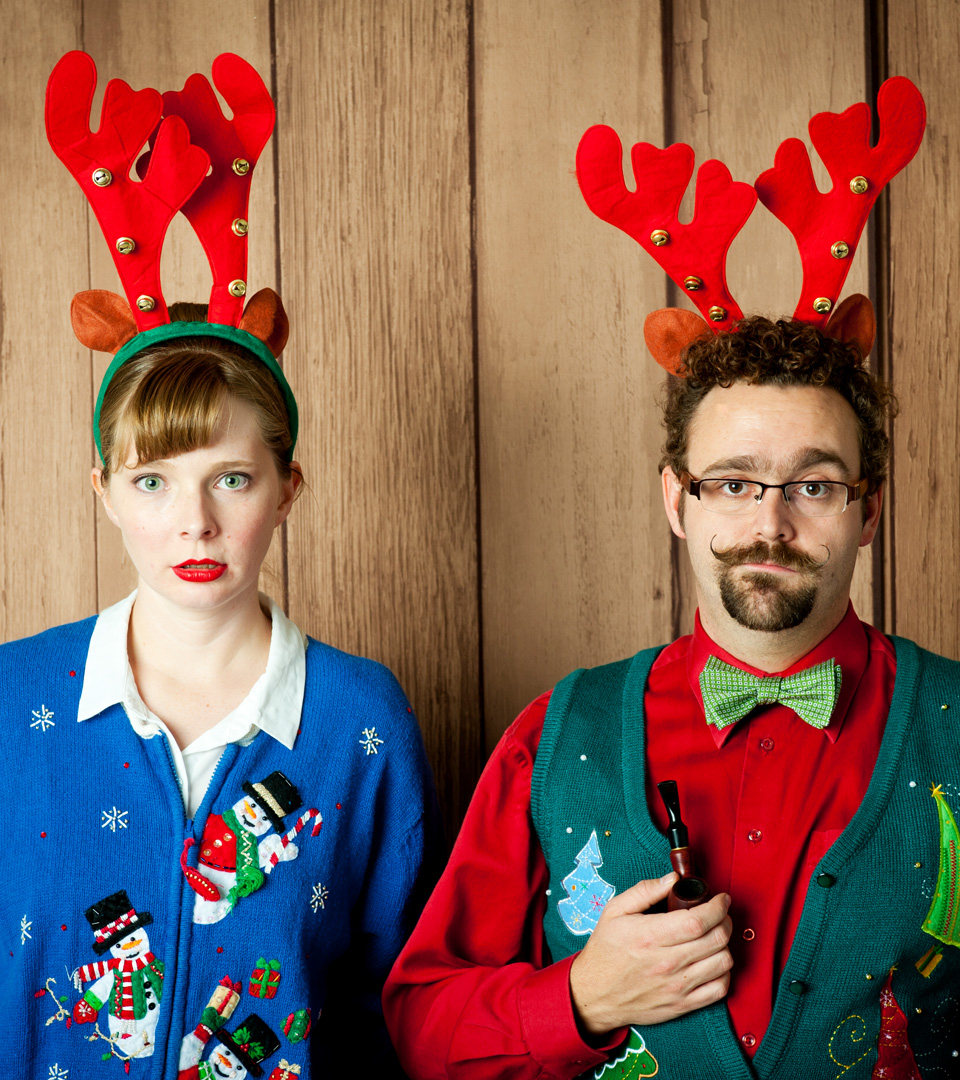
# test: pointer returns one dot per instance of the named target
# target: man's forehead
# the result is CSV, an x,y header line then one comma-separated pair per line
x,y
772,429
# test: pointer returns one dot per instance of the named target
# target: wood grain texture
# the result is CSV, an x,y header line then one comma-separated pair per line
x,y
47,552
740,86
923,44
185,37
376,237
575,546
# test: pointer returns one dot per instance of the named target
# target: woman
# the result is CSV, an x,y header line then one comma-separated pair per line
x,y
221,814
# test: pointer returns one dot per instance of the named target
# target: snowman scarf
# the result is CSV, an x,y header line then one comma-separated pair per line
x,y
249,874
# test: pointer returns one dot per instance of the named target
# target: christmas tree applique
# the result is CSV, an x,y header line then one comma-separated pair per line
x,y
587,892
943,918
633,1061
894,1057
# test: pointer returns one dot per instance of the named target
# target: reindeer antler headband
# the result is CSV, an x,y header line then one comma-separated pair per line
x,y
826,226
188,135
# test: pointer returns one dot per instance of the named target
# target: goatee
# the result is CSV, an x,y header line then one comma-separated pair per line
x,y
760,601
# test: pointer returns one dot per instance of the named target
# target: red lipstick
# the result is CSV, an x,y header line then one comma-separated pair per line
x,y
199,571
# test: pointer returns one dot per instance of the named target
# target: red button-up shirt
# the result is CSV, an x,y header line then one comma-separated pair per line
x,y
474,992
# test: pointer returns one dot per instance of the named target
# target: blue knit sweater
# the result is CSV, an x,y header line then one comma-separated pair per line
x,y
866,975
112,961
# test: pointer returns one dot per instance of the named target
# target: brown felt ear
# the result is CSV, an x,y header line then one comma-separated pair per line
x,y
102,320
854,321
668,332
265,318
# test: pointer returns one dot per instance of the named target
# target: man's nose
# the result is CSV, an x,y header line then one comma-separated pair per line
x,y
773,518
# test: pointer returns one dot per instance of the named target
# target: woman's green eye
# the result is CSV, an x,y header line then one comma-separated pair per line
x,y
233,481
149,483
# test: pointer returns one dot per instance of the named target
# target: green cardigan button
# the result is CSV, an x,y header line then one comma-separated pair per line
x,y
797,987
826,880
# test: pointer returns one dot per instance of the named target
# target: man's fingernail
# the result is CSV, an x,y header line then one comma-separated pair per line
x,y
666,878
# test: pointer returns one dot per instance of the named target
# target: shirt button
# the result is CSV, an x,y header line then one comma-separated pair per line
x,y
755,836
748,934
748,1040
767,744
797,987
826,881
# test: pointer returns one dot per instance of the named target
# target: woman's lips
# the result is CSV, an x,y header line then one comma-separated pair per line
x,y
196,571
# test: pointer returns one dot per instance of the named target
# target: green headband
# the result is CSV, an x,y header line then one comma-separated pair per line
x,y
175,330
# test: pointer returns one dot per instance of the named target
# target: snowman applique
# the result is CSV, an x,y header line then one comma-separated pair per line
x,y
129,983
238,1054
233,862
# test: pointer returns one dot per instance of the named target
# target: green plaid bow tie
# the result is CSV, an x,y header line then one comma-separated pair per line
x,y
729,693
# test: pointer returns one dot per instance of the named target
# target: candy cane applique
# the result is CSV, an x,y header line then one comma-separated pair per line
x,y
291,834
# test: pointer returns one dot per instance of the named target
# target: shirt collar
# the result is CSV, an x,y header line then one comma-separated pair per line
x,y
847,644
273,705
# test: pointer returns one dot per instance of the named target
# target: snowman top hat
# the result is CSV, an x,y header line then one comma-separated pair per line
x,y
112,919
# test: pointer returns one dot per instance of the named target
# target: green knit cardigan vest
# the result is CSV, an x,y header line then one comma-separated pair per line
x,y
865,905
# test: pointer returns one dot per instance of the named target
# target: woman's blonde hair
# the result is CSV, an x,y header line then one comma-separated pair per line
x,y
169,399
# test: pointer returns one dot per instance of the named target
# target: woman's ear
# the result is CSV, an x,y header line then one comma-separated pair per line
x,y
102,490
289,490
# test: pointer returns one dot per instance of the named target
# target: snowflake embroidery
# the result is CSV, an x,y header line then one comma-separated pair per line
x,y
319,897
25,930
56,1073
370,740
43,719
114,818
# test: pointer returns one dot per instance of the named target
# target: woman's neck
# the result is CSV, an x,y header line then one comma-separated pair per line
x,y
194,667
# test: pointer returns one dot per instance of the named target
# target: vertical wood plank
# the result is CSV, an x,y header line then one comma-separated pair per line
x,y
740,86
185,37
47,554
923,41
375,234
576,557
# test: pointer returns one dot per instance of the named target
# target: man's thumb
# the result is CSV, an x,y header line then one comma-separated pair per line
x,y
645,894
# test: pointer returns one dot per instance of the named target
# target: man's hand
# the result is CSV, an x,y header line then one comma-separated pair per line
x,y
644,969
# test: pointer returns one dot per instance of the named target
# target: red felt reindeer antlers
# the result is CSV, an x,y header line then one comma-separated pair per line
x,y
133,215
827,226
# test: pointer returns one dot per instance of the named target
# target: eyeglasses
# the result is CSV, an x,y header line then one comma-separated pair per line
x,y
808,498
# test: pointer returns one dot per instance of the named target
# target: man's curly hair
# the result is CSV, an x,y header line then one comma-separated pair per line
x,y
782,353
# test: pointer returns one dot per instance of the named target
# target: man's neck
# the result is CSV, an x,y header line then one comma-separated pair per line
x,y
766,650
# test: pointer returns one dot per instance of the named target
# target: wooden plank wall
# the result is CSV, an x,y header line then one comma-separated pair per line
x,y
480,430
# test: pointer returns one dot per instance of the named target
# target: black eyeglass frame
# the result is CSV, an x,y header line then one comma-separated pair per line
x,y
854,492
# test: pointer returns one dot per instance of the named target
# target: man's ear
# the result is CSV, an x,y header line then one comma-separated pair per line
x,y
672,494
871,522
103,492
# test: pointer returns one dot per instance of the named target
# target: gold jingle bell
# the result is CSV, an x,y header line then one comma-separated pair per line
x,y
146,303
822,305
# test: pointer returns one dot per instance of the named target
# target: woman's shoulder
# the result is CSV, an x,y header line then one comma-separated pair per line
x,y
69,642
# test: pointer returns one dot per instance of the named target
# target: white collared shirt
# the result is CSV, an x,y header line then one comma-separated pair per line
x,y
273,705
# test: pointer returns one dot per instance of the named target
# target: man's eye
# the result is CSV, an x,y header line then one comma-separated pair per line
x,y
733,487
813,490
234,481
149,483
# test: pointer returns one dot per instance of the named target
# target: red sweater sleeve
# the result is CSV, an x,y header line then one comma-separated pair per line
x,y
474,994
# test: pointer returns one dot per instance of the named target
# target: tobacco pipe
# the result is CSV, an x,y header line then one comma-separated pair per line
x,y
689,890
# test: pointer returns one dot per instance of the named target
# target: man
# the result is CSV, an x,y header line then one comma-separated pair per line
x,y
807,799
